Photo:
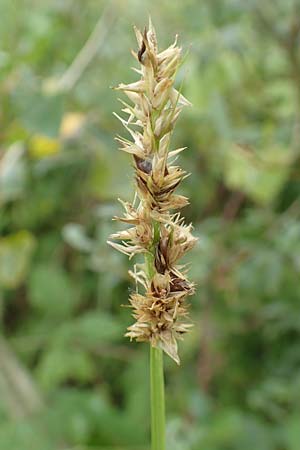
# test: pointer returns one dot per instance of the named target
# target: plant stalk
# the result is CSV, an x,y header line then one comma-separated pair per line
x,y
157,389
157,385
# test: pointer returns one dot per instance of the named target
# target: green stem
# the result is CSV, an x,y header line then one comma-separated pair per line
x,y
158,438
157,386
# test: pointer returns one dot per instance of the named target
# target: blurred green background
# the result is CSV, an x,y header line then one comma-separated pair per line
x,y
69,380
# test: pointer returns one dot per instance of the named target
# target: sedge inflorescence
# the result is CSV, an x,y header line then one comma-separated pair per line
x,y
156,230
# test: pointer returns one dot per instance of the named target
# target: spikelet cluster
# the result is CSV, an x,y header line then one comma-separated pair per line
x,y
156,228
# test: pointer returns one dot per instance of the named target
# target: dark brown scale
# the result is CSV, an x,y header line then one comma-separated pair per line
x,y
143,48
143,187
145,165
154,293
163,247
170,188
160,262
161,256
178,284
142,184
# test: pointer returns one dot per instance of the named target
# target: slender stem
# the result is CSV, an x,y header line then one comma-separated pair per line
x,y
157,385
157,388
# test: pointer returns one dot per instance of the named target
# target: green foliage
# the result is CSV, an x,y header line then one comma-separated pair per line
x,y
15,253
61,295
60,175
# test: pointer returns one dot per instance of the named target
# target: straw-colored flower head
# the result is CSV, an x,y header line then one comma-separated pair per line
x,y
156,230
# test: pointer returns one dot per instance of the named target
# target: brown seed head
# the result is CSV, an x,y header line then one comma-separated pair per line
x,y
158,233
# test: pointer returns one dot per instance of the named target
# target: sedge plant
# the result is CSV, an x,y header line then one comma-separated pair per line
x,y
156,229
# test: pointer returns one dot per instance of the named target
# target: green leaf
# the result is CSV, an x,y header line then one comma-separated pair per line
x,y
40,113
91,329
24,435
15,255
292,432
261,176
13,174
61,364
52,291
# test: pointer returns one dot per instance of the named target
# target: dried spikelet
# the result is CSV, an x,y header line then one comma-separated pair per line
x,y
157,232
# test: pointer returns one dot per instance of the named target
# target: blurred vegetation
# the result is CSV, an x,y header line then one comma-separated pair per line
x,y
68,377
